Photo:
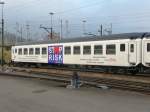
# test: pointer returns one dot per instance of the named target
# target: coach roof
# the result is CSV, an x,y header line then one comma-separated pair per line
x,y
91,38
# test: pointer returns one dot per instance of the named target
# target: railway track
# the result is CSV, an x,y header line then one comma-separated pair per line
x,y
139,84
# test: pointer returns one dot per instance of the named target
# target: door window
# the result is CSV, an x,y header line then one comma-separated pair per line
x,y
148,47
122,47
132,48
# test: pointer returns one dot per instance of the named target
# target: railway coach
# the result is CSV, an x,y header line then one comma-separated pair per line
x,y
128,52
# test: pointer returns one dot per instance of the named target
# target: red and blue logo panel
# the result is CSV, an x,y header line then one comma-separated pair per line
x,y
55,54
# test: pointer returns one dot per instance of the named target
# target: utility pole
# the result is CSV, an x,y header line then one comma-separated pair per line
x,y
17,29
28,31
2,3
84,30
51,13
61,26
111,28
21,33
67,25
101,30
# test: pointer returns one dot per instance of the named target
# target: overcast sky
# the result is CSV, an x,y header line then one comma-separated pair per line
x,y
125,15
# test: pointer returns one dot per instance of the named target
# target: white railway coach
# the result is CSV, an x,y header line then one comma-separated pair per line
x,y
146,51
129,50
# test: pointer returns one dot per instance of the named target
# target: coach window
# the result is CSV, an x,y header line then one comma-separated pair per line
x,y
76,50
25,51
132,48
148,47
122,47
111,49
20,51
98,49
31,50
67,50
37,51
86,49
44,49
16,51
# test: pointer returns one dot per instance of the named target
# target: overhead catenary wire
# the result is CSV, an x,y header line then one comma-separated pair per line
x,y
89,5
74,9
19,9
120,18
23,4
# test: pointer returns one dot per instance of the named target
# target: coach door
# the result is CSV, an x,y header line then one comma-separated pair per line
x,y
132,53
146,52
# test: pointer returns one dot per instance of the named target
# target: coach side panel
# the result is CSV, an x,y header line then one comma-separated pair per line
x,y
105,53
112,53
30,54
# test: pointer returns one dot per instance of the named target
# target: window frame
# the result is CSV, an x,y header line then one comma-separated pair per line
x,y
132,48
20,51
45,53
148,47
110,50
67,53
30,51
85,51
101,50
37,53
25,53
124,47
78,50
16,51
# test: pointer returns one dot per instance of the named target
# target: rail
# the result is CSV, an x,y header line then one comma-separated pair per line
x,y
134,83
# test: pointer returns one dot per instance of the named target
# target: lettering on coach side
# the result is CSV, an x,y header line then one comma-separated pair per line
x,y
55,54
